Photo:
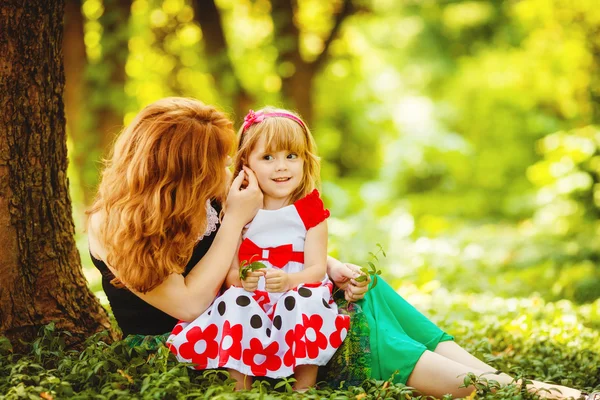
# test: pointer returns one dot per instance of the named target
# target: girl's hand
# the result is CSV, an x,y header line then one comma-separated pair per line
x,y
250,284
244,203
276,281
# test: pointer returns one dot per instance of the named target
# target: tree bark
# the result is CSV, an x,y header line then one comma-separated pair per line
x,y
40,270
76,94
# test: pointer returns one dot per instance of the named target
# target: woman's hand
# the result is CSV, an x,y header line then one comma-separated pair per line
x,y
343,275
244,202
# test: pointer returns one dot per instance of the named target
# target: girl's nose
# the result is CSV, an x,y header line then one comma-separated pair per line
x,y
280,165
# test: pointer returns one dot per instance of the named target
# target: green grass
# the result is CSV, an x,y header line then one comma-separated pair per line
x,y
528,337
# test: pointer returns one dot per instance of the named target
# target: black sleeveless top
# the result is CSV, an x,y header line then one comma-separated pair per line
x,y
134,315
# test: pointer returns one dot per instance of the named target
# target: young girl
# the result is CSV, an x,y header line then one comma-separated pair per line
x,y
280,320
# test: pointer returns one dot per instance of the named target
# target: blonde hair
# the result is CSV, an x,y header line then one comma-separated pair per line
x,y
282,133
163,169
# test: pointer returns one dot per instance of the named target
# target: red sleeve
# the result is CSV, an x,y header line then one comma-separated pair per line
x,y
311,210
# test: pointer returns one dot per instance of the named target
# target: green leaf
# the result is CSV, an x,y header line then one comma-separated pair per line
x,y
244,269
280,384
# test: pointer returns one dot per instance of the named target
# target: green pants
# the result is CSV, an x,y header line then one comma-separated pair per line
x,y
399,333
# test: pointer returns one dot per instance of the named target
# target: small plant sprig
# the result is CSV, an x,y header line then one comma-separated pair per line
x,y
248,266
372,269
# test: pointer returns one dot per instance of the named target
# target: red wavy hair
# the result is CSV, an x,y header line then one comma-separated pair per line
x,y
163,169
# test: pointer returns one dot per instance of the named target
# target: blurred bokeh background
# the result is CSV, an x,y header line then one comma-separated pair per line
x,y
458,135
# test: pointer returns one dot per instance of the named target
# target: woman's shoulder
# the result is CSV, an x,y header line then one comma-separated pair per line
x,y
95,222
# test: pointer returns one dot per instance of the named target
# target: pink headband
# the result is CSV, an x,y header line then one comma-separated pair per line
x,y
254,118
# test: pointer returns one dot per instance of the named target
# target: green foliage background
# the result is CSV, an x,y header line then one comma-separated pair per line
x,y
458,134
461,135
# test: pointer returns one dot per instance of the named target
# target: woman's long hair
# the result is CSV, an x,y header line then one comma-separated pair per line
x,y
282,133
163,169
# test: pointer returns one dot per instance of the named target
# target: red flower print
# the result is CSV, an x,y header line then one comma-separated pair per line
x,y
262,298
294,338
172,348
312,285
200,346
288,357
176,331
330,286
313,337
262,359
300,345
342,325
178,328
271,312
231,343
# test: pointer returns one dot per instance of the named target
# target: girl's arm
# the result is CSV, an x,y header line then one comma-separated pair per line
x,y
315,263
185,298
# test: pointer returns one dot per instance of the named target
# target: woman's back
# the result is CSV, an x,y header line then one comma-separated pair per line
x,y
133,315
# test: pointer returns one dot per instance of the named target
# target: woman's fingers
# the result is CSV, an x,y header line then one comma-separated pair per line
x,y
356,290
244,203
251,178
237,182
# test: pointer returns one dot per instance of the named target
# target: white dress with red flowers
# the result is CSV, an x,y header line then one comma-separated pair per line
x,y
261,333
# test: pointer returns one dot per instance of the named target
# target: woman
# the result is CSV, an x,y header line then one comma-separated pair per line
x,y
156,236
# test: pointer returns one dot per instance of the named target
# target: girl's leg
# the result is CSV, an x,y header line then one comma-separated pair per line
x,y
449,374
453,351
436,375
306,376
243,382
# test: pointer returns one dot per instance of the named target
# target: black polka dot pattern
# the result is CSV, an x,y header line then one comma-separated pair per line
x,y
326,304
268,332
305,292
290,303
256,321
242,301
221,308
277,322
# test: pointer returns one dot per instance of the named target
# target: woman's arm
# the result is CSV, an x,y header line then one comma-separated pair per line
x,y
233,276
315,263
185,298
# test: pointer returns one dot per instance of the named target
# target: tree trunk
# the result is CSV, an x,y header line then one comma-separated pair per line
x,y
40,269
297,87
76,93
111,104
160,35
219,63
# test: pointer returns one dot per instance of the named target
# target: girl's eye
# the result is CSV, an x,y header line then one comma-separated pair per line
x,y
292,156
267,157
